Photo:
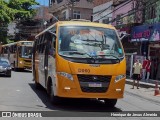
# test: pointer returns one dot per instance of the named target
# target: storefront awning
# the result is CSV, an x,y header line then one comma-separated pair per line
x,y
146,33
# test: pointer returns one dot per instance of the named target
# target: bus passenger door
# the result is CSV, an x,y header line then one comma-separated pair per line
x,y
50,57
41,65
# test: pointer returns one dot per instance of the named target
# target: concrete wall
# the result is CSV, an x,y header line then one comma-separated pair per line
x,y
83,6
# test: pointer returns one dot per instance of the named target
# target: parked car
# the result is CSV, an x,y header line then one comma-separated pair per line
x,y
5,67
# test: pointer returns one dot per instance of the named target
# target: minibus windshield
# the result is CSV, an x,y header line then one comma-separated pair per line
x,y
89,42
26,52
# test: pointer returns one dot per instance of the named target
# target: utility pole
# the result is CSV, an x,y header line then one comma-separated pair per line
x,y
143,11
72,7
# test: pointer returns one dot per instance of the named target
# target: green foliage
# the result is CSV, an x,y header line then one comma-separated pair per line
x,y
16,9
24,9
11,10
3,36
6,13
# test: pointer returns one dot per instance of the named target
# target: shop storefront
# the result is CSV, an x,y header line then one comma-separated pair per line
x,y
154,53
148,36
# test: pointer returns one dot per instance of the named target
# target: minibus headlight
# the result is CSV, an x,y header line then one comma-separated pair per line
x,y
119,77
20,62
67,75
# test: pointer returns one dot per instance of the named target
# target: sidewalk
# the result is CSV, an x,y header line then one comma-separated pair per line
x,y
150,84
146,91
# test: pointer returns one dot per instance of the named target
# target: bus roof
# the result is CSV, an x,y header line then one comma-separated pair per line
x,y
84,23
9,44
77,23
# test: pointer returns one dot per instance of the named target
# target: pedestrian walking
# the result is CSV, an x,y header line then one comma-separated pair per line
x,y
137,73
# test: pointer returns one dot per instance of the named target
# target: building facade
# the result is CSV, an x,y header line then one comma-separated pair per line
x,y
148,36
152,9
68,9
102,11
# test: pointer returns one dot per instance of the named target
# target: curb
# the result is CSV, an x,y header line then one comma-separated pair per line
x,y
142,84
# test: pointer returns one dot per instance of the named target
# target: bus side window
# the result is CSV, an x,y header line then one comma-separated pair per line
x,y
19,50
2,50
5,50
15,48
52,44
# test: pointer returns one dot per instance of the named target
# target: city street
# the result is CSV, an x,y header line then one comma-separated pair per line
x,y
18,93
80,49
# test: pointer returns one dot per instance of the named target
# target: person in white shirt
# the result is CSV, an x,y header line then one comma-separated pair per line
x,y
137,73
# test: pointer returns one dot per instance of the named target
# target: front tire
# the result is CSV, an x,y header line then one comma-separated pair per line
x,y
110,102
54,99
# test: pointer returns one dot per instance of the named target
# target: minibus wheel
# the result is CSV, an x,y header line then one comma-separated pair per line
x,y
54,99
110,102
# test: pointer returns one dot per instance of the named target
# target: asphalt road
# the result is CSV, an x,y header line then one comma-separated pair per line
x,y
18,93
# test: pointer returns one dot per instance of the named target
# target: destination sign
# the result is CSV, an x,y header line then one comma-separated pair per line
x,y
27,43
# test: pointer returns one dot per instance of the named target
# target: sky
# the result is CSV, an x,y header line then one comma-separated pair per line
x,y
43,2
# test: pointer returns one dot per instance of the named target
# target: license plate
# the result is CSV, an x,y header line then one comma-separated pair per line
x,y
95,85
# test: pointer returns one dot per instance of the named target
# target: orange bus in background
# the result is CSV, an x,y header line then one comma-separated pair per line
x,y
19,54
77,59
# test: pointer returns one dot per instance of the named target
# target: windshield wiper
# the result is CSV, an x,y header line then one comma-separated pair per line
x,y
112,56
82,53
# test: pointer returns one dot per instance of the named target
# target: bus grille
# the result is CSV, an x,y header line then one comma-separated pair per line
x,y
94,83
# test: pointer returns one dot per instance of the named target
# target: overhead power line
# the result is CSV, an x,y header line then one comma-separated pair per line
x,y
101,11
115,10
135,10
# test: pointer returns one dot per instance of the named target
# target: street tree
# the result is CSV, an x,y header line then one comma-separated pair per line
x,y
6,13
11,10
24,8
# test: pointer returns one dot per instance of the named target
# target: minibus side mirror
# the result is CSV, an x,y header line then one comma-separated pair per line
x,y
124,35
54,34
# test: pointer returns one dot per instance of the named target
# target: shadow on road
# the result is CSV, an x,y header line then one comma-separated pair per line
x,y
4,76
80,105
21,70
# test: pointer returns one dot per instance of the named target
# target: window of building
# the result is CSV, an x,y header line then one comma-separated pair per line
x,y
76,15
151,12
52,2
59,1
64,15
118,19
